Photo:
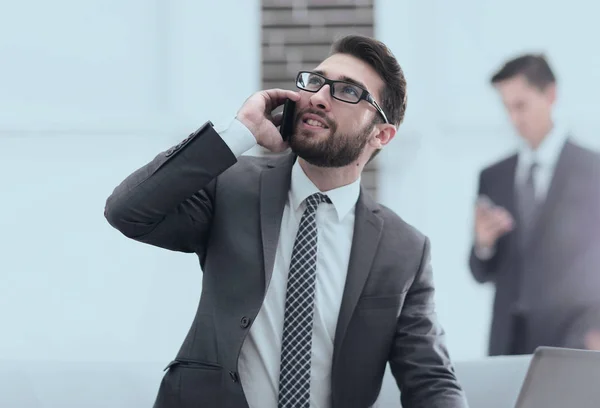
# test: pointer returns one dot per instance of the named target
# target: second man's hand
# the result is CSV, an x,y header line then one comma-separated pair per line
x,y
491,222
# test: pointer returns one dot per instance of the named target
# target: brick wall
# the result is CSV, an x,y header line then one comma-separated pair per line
x,y
297,34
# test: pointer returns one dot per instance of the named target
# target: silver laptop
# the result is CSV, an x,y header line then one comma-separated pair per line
x,y
493,382
561,378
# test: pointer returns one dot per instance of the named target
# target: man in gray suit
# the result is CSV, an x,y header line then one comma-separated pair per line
x,y
537,224
309,287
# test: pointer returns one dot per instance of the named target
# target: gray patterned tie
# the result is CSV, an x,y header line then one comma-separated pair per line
x,y
294,380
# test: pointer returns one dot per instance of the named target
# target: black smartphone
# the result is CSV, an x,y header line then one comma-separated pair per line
x,y
287,122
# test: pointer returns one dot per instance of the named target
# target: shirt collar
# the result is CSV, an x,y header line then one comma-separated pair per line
x,y
343,198
548,151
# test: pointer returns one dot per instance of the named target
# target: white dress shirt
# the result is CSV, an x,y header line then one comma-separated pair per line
x,y
260,355
546,156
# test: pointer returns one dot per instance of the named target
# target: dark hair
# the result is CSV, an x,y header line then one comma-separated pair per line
x,y
377,55
533,67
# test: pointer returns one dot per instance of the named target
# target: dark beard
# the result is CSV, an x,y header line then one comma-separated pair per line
x,y
338,150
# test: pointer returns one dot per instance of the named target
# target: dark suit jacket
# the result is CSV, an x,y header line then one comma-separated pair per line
x,y
197,198
547,289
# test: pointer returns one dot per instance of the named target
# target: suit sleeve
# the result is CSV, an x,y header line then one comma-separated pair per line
x,y
586,323
482,269
169,201
584,319
419,358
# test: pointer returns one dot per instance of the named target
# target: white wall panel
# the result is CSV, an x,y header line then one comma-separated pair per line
x,y
89,92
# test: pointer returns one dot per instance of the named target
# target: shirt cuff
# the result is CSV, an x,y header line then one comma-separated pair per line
x,y
483,253
237,137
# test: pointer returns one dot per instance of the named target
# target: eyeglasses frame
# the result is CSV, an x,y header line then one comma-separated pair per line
x,y
364,96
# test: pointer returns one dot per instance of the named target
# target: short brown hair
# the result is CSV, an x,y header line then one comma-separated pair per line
x,y
534,67
377,55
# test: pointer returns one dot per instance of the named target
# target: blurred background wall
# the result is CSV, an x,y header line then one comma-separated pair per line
x,y
92,90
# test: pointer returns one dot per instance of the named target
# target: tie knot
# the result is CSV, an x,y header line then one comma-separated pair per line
x,y
533,167
313,201
532,170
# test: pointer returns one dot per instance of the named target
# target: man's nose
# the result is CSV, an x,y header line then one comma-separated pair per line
x,y
322,98
515,118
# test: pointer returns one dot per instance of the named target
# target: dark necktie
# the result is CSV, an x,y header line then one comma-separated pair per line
x,y
527,202
294,380
527,213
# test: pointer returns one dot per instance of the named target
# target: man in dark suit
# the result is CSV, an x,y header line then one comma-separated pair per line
x,y
537,224
309,287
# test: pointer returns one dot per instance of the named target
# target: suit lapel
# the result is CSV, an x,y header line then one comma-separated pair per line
x,y
506,186
367,233
501,190
557,184
274,187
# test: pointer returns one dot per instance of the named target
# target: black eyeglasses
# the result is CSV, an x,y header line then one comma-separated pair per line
x,y
341,90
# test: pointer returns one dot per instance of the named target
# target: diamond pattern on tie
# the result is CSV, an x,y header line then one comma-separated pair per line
x,y
294,380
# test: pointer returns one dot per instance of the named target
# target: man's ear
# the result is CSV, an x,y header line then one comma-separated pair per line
x,y
382,135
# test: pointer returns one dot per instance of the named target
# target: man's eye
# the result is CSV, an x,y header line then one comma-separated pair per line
x,y
350,90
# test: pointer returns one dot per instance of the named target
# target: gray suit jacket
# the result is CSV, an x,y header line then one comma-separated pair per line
x,y
198,198
546,288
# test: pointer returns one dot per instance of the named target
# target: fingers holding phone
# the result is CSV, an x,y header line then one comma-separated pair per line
x,y
257,115
491,222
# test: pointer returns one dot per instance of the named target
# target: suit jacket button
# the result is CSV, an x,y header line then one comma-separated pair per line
x,y
245,322
234,376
